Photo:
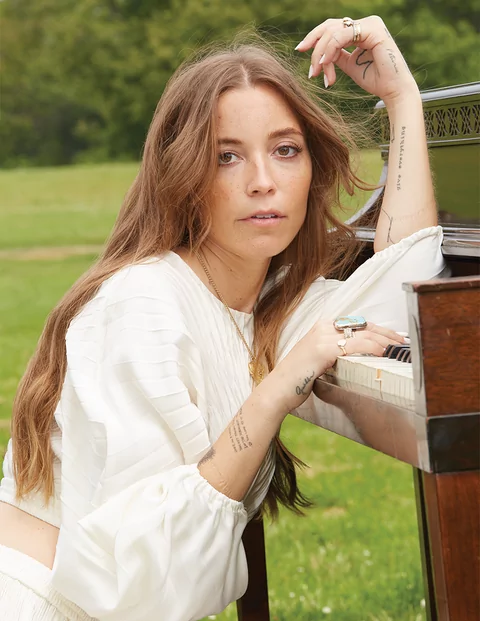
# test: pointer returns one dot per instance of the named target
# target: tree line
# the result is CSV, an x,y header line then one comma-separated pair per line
x,y
80,79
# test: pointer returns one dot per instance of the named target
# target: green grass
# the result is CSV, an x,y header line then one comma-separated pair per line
x,y
355,557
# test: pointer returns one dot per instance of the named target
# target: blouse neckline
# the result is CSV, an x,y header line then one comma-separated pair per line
x,y
177,259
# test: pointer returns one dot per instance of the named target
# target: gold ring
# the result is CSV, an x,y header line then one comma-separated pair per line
x,y
357,32
347,22
341,343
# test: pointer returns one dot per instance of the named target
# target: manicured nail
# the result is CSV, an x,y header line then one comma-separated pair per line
x,y
321,60
325,80
310,72
299,45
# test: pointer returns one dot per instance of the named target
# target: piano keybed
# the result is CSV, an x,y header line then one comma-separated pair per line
x,y
381,378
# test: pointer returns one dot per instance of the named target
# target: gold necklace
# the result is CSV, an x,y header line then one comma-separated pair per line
x,y
255,368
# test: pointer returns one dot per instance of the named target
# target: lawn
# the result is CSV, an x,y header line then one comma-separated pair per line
x,y
355,557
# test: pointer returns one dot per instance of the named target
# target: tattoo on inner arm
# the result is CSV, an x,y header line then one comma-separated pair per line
x,y
365,62
390,220
300,390
210,454
400,157
238,434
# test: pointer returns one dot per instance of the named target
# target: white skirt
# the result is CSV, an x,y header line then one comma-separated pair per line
x,y
26,593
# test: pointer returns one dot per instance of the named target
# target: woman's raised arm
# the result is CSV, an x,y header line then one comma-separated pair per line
x,y
377,65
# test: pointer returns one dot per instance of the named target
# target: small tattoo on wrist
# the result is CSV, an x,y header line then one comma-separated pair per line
x,y
301,390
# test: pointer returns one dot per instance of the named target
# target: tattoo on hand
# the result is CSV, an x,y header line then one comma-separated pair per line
x,y
365,62
210,454
238,434
393,59
390,219
301,391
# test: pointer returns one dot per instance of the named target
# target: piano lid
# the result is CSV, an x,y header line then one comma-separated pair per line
x,y
452,123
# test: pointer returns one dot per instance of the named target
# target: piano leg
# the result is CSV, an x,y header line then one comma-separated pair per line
x,y
253,606
448,510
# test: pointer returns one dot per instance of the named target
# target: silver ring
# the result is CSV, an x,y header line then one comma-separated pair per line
x,y
341,343
348,333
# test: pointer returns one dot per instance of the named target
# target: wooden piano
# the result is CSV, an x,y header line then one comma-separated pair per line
x,y
424,413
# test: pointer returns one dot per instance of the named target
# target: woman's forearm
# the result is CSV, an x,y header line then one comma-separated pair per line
x,y
409,200
232,463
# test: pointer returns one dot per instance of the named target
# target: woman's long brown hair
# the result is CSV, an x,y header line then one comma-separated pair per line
x,y
167,207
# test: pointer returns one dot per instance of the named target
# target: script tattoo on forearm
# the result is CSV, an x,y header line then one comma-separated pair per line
x,y
238,434
393,59
210,454
390,223
400,157
300,390
367,63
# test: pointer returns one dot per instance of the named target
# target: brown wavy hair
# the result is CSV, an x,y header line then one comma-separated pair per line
x,y
167,207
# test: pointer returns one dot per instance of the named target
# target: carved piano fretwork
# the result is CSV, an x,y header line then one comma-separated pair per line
x,y
435,424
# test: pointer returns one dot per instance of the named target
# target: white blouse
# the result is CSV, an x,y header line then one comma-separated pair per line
x,y
155,373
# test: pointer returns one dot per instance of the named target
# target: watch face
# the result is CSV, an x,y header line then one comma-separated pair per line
x,y
350,321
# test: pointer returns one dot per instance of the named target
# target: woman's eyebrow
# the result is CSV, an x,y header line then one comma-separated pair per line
x,y
278,133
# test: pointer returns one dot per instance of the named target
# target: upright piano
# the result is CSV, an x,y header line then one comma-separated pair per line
x,y
424,412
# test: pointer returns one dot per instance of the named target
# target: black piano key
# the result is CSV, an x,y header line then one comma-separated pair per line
x,y
398,352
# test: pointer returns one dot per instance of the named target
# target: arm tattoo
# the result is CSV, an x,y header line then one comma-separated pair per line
x,y
210,454
390,220
238,434
365,62
301,390
400,158
393,59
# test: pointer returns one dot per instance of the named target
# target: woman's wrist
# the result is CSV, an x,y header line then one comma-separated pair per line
x,y
407,98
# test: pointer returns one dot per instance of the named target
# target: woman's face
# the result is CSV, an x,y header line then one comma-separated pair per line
x,y
263,167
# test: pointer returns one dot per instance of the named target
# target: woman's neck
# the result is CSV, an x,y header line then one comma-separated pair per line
x,y
238,280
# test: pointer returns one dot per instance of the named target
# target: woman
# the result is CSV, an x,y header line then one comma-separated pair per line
x,y
144,438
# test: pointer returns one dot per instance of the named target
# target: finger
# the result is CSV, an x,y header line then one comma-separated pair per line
x,y
391,334
362,346
313,36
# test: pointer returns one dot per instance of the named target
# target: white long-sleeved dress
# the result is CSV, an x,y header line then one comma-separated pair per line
x,y
155,373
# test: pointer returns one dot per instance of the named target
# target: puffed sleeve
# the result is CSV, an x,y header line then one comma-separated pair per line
x,y
144,537
374,290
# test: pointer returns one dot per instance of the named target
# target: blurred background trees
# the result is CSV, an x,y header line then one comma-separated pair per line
x,y
80,80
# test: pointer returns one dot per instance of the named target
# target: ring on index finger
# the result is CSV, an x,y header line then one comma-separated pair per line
x,y
341,343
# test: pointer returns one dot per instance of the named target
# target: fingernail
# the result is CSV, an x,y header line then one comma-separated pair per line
x,y
310,72
321,60
325,80
299,44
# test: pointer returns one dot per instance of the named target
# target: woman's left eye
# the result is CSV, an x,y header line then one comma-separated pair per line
x,y
285,148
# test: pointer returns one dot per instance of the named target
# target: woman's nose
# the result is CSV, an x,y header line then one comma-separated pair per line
x,y
260,178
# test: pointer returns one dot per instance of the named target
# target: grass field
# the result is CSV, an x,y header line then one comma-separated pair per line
x,y
355,557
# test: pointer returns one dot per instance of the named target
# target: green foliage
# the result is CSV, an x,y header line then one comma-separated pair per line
x,y
80,80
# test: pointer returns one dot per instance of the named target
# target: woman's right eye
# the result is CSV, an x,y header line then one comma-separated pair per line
x,y
224,158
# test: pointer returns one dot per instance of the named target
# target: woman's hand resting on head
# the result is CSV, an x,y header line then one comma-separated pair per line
x,y
376,64
317,351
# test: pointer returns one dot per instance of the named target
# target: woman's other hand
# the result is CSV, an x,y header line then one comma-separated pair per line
x,y
316,352
376,64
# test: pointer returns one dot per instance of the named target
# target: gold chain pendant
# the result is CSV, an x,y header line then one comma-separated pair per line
x,y
257,371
